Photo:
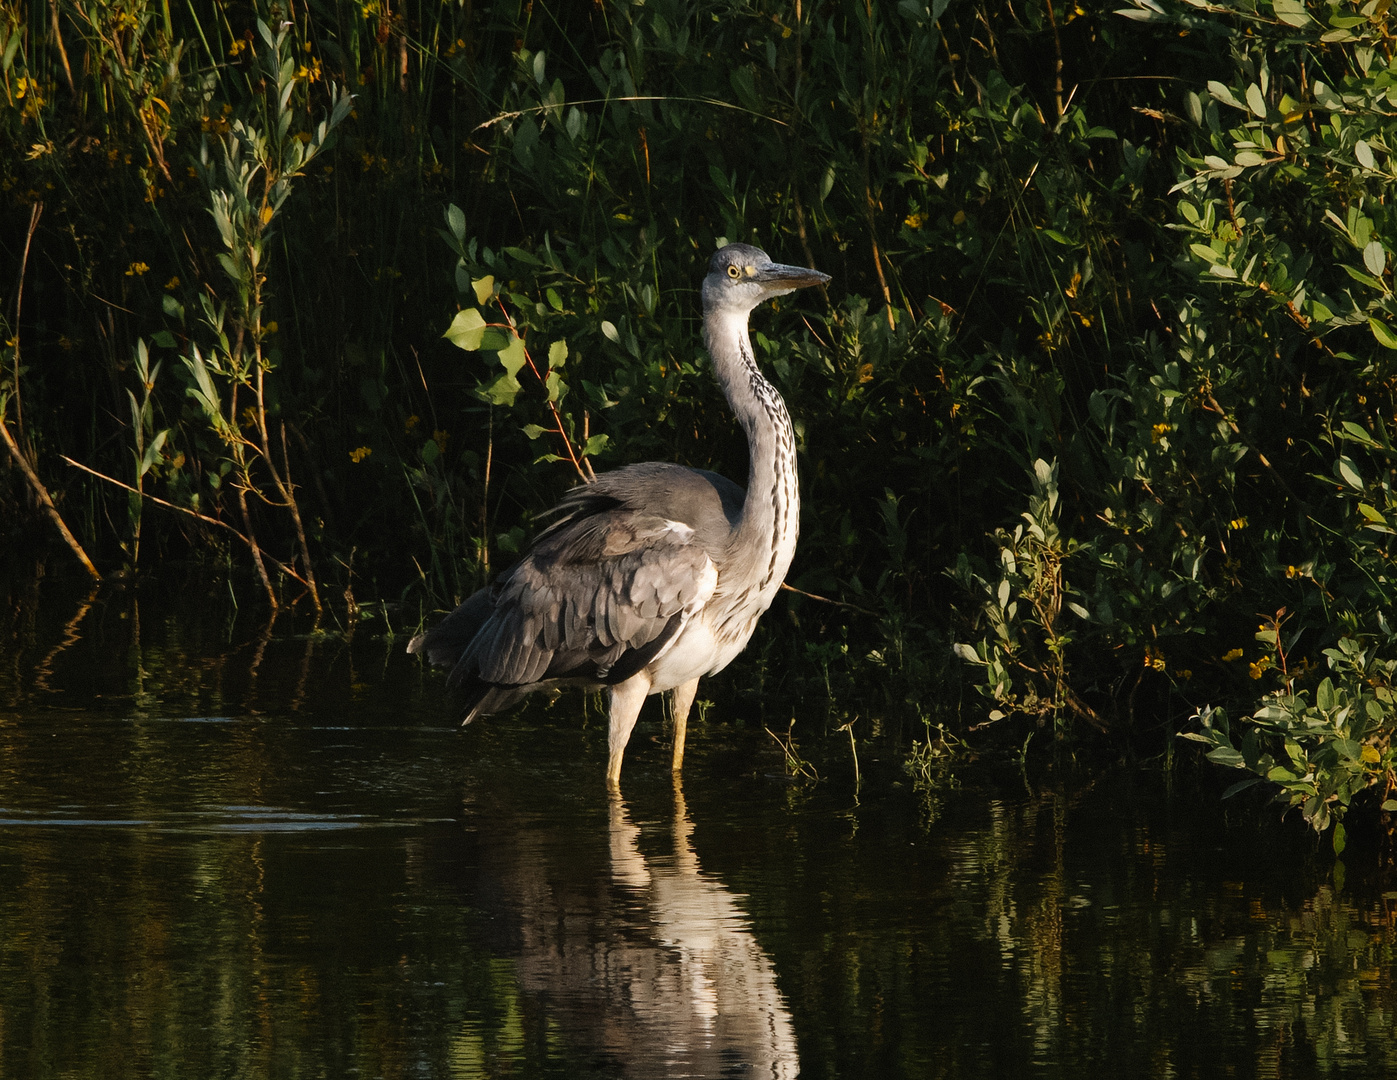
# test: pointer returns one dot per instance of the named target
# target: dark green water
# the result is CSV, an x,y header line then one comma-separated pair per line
x,y
225,854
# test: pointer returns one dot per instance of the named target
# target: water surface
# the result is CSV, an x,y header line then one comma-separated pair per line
x,y
230,853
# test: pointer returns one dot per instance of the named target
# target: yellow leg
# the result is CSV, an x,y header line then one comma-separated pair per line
x,y
683,699
626,700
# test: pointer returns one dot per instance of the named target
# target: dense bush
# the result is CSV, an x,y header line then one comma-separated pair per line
x,y
1098,402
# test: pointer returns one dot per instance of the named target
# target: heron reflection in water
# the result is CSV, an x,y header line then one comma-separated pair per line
x,y
660,974
653,575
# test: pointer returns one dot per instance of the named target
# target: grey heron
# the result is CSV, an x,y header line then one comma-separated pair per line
x,y
653,575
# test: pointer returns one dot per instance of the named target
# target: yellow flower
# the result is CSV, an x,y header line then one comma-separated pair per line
x,y
411,422
269,328
360,453
1232,654
173,283
914,221
136,269
1159,431
1237,524
440,438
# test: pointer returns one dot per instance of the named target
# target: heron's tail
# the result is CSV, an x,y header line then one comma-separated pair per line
x,y
444,644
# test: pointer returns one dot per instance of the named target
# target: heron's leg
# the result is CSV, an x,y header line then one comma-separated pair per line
x,y
683,698
626,700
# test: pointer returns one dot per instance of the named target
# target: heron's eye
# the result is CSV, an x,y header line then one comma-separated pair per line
x,y
734,272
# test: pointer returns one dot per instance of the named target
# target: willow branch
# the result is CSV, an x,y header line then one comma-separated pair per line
x,y
189,513
43,496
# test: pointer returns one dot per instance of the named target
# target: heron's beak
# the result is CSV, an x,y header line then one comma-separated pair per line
x,y
777,279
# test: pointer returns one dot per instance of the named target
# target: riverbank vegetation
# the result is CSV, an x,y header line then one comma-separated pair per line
x,y
1096,418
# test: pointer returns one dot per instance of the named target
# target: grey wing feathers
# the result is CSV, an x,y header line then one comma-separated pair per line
x,y
603,590
587,595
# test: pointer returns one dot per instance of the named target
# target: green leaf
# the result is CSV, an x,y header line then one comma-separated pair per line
x,y
1240,786
1327,98
595,445
164,339
456,222
557,354
1386,338
1340,838
533,431
557,389
1256,102
10,49
1223,94
1349,471
495,338
524,256
466,329
1363,154
430,452
484,289
1324,696
152,454
501,391
1226,755
513,356
1291,12
1357,433
610,332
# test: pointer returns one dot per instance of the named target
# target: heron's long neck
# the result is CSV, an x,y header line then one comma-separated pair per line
x,y
765,539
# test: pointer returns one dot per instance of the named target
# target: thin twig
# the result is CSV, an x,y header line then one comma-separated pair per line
x,y
43,496
515,114
827,600
62,52
1057,62
34,212
252,544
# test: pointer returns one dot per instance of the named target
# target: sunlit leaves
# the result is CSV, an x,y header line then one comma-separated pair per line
x,y
466,329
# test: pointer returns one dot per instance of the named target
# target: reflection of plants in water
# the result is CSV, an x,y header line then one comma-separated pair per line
x,y
1324,968
1315,977
492,1043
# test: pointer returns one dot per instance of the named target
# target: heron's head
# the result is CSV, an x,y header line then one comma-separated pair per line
x,y
741,276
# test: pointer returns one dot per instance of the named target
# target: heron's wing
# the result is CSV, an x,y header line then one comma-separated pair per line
x,y
597,598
